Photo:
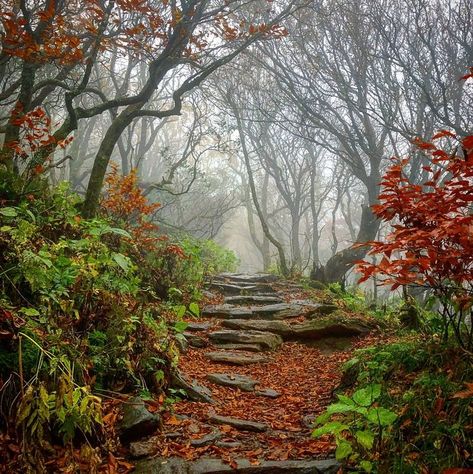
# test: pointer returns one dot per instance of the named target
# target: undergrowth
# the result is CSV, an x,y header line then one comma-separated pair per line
x,y
89,309
408,408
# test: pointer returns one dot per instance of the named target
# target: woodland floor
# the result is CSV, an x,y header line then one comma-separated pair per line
x,y
304,376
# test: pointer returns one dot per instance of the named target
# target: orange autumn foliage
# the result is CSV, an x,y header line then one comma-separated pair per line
x,y
431,241
35,132
126,204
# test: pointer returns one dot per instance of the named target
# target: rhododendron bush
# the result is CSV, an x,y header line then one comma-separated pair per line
x,y
431,241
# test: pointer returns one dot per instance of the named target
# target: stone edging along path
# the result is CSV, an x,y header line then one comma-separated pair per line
x,y
256,370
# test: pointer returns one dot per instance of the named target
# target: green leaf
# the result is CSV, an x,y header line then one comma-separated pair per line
x,y
381,416
33,217
361,410
367,395
366,466
117,231
343,450
194,309
122,261
5,228
159,376
323,418
346,400
8,212
365,438
350,363
29,312
339,408
84,406
76,395
180,310
180,326
334,427
43,406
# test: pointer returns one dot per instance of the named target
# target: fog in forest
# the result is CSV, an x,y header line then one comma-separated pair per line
x,y
269,137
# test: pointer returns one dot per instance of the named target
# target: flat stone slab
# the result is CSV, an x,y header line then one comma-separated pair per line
x,y
268,392
137,421
194,391
276,311
208,294
328,327
242,382
233,289
235,358
194,340
226,311
276,327
250,277
240,466
266,340
240,347
210,438
239,424
228,444
270,311
196,327
253,299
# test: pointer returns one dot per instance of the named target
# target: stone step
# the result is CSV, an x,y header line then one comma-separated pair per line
x,y
265,340
232,289
276,311
331,326
253,299
194,391
239,424
226,311
240,347
268,392
248,277
235,358
137,420
197,327
269,311
210,438
276,327
194,340
242,382
239,466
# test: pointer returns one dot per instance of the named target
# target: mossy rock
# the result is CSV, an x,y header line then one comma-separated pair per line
x,y
409,317
317,285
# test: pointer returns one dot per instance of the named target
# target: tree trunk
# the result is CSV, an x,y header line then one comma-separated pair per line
x,y
264,225
12,133
104,153
337,266
295,244
264,208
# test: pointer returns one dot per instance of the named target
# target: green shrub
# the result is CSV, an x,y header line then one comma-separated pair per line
x,y
75,314
417,380
184,264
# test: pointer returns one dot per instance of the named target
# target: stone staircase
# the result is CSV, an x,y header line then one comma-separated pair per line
x,y
259,315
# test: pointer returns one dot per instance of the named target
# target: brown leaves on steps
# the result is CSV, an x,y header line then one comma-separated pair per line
x,y
305,378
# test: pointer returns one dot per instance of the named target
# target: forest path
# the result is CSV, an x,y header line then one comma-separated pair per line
x,y
261,364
